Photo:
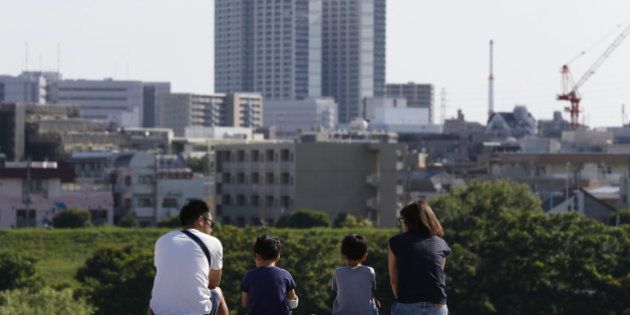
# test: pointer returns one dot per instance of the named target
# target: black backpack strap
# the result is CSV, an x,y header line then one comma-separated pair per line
x,y
203,246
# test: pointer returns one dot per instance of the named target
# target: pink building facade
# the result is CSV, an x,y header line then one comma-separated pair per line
x,y
52,190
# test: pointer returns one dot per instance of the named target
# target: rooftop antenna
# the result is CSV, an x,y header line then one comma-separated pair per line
x,y
26,56
58,58
624,118
443,105
491,82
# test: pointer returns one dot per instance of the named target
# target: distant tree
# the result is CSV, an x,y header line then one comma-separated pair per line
x,y
124,275
128,220
72,218
18,271
349,221
304,218
197,165
42,302
171,222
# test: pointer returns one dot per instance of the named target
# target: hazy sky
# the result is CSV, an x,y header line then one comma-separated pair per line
x,y
439,42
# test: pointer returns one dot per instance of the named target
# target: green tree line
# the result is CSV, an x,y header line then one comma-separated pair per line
x,y
508,258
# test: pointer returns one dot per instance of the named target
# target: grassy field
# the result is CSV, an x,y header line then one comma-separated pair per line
x,y
61,252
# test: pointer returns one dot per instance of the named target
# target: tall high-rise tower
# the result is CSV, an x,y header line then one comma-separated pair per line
x,y
353,54
233,45
268,46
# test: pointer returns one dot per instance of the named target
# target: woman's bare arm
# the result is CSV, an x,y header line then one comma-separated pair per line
x,y
393,272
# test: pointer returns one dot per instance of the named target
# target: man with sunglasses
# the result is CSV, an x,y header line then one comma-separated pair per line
x,y
188,266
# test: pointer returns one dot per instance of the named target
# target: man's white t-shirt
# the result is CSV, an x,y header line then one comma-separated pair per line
x,y
181,281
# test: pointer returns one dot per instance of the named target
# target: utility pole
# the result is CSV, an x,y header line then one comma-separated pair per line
x,y
155,189
27,189
491,81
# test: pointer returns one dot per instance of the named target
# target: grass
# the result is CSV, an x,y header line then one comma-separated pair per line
x,y
61,252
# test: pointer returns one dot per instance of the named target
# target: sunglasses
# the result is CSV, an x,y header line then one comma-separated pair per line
x,y
208,220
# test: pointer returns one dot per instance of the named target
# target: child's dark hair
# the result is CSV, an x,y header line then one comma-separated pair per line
x,y
267,246
354,246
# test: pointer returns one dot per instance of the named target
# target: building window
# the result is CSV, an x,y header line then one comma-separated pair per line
x,y
240,221
240,156
285,155
226,220
226,156
240,200
286,202
269,201
227,178
226,200
145,179
240,178
255,155
286,178
128,180
270,155
255,178
25,218
255,221
144,202
169,202
269,178
255,200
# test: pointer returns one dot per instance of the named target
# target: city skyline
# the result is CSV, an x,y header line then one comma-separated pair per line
x,y
532,41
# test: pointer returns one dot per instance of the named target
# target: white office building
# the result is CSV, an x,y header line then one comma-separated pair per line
x,y
291,117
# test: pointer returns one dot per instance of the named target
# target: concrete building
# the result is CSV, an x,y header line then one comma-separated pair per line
x,y
269,47
28,87
181,110
153,187
106,100
559,174
31,194
12,120
393,114
114,101
353,53
417,95
553,128
583,202
369,105
233,46
519,123
291,117
582,140
258,183
151,92
125,103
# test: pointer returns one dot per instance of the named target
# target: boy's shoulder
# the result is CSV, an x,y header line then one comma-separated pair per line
x,y
359,269
277,271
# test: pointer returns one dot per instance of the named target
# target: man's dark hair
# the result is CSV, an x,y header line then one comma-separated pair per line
x,y
192,210
354,246
267,246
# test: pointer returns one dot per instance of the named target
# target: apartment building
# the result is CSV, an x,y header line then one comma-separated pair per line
x,y
258,183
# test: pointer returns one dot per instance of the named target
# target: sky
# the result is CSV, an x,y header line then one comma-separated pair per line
x,y
444,43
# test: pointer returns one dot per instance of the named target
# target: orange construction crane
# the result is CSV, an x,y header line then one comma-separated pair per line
x,y
570,88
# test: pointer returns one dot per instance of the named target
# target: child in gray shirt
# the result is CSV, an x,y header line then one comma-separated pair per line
x,y
354,283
